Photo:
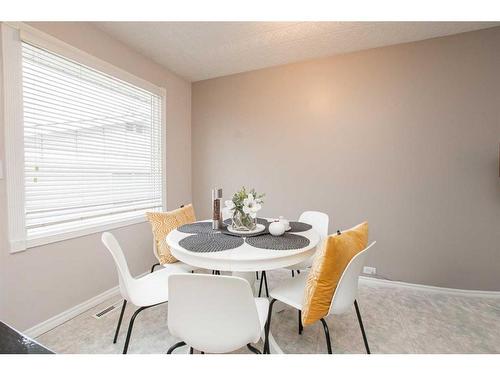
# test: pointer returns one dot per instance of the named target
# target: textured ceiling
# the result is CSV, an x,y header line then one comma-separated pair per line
x,y
202,50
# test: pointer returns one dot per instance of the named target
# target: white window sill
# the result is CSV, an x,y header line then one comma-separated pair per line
x,y
80,232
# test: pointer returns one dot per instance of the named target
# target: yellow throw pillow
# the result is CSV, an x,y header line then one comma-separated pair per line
x,y
329,263
163,223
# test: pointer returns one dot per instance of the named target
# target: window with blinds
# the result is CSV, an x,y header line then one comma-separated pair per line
x,y
92,146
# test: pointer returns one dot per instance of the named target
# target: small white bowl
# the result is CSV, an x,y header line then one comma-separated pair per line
x,y
276,228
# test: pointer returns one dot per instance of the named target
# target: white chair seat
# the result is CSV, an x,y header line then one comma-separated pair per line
x,y
153,287
262,309
291,291
179,267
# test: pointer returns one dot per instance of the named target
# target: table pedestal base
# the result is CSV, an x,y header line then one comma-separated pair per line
x,y
278,306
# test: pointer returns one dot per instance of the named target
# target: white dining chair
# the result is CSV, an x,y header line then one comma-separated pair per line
x,y
292,291
319,221
144,292
215,314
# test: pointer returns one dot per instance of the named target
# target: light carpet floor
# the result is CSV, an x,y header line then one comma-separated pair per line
x,y
396,319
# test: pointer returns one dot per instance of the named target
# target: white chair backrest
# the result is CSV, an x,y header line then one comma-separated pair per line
x,y
125,278
318,220
214,314
347,288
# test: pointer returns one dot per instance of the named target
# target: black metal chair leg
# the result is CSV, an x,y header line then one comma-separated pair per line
x,y
267,327
253,349
175,346
154,265
298,272
301,327
265,284
362,327
120,321
191,351
261,282
131,325
257,275
327,336
293,273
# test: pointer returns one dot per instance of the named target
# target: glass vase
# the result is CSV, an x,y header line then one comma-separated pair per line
x,y
243,222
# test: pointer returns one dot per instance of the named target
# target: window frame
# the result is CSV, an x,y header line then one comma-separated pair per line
x,y
13,34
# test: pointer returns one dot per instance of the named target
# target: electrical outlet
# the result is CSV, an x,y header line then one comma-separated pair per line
x,y
370,270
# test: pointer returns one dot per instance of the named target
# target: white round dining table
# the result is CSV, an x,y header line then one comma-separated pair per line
x,y
245,260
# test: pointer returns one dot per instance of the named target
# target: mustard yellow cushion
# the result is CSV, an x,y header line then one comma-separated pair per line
x,y
330,262
163,223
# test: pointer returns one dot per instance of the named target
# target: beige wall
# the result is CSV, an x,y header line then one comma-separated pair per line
x,y
405,136
42,282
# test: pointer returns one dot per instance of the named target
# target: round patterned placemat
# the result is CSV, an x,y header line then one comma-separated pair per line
x,y
298,226
210,243
287,241
198,227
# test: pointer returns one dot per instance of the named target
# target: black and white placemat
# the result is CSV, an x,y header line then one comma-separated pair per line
x,y
210,243
287,241
198,227
298,226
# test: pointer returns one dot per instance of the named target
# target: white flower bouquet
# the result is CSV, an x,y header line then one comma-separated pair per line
x,y
244,206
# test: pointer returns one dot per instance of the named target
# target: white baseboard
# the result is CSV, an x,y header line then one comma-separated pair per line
x,y
69,314
428,288
63,317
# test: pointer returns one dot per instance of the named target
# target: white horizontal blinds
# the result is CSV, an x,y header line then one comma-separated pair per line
x,y
92,146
